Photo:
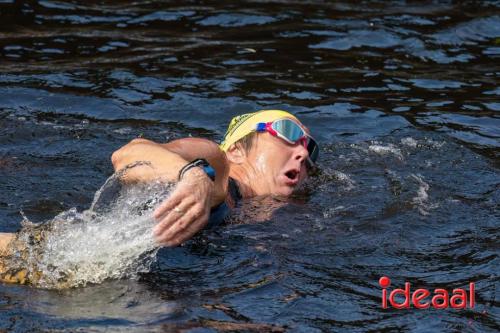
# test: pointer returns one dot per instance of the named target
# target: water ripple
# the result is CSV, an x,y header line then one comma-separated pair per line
x,y
402,97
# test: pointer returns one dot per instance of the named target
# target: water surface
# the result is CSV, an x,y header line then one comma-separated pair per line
x,y
402,96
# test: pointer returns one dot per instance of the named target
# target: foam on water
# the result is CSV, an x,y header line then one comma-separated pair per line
x,y
389,149
345,179
329,176
410,142
421,200
112,239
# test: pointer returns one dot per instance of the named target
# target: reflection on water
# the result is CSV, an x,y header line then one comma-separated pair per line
x,y
403,97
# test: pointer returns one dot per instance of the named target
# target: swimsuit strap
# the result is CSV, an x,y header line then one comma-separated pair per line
x,y
219,213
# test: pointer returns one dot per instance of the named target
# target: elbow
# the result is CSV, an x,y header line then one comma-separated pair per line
x,y
119,157
115,159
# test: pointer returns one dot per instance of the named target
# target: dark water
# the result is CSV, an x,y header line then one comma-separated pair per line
x,y
403,96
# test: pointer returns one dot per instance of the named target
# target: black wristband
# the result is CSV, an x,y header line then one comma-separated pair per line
x,y
202,163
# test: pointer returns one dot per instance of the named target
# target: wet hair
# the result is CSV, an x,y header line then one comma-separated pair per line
x,y
246,142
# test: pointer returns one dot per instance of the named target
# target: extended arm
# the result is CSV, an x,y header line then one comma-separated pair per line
x,y
168,158
187,209
5,239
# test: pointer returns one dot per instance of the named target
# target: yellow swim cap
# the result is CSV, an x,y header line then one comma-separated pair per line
x,y
242,125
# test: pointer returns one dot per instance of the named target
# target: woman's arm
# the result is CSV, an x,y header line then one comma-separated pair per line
x,y
187,209
5,239
167,159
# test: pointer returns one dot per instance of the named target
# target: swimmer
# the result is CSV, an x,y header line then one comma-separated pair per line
x,y
266,153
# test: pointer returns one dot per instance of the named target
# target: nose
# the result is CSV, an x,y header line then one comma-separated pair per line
x,y
300,153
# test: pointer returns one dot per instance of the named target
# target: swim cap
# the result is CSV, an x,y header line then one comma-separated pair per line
x,y
242,125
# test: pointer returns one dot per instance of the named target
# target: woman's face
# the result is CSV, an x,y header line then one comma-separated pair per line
x,y
278,166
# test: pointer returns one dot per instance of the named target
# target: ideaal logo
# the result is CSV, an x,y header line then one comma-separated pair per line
x,y
420,297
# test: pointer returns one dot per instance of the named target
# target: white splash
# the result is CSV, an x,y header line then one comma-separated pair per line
x,y
410,142
384,150
112,239
345,179
435,144
331,212
421,200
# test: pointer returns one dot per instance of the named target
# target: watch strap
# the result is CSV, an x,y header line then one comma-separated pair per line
x,y
199,162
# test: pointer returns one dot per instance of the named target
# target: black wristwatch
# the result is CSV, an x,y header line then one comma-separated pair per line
x,y
202,163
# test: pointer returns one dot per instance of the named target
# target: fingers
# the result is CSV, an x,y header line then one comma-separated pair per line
x,y
184,227
184,213
184,236
170,217
181,192
169,204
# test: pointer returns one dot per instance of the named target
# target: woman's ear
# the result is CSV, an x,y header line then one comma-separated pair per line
x,y
236,154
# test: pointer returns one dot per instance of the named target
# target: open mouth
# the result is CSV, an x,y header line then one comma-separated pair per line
x,y
292,176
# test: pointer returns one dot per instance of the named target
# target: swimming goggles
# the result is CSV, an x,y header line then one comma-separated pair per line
x,y
293,133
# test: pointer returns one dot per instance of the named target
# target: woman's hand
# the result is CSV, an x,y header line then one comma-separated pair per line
x,y
187,209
